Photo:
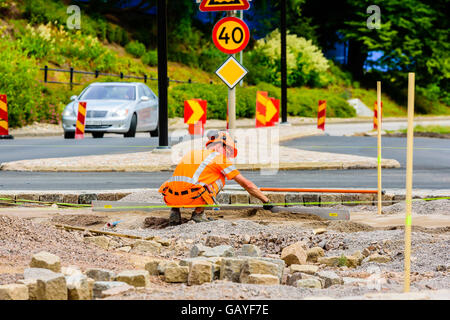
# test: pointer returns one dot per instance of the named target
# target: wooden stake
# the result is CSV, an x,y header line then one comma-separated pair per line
x,y
409,174
379,144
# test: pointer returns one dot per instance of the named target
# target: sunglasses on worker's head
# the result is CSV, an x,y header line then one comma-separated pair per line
x,y
213,134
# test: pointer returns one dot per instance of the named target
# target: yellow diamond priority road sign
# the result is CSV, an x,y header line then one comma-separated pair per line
x,y
231,72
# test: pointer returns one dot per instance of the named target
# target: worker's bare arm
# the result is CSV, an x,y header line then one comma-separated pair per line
x,y
250,187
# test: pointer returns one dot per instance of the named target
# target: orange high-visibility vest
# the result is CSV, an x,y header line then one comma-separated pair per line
x,y
199,175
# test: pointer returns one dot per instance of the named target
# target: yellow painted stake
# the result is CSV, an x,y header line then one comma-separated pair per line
x,y
379,144
409,174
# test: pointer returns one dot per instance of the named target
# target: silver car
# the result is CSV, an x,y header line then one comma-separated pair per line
x,y
114,107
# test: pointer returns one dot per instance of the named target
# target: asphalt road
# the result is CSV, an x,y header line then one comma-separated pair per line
x,y
431,164
58,147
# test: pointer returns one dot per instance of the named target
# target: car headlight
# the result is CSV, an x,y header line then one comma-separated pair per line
x,y
68,112
120,113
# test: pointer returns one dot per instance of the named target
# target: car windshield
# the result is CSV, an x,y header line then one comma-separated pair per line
x,y
109,93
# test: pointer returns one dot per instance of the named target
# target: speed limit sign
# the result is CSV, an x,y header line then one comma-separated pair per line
x,y
231,35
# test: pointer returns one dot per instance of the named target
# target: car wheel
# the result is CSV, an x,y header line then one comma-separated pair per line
x,y
154,133
69,135
96,135
132,131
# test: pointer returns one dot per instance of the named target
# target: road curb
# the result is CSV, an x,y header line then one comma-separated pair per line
x,y
226,197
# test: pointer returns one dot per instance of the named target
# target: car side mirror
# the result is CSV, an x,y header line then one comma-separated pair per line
x,y
73,97
145,98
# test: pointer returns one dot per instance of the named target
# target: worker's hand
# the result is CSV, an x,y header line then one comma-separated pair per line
x,y
267,206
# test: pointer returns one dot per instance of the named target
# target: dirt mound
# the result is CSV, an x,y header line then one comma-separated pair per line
x,y
79,220
420,134
349,226
421,207
266,214
439,230
21,238
159,223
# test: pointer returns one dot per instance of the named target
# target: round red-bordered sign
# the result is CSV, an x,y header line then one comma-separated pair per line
x,y
231,35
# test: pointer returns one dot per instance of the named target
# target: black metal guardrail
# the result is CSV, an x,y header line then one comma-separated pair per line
x,y
96,73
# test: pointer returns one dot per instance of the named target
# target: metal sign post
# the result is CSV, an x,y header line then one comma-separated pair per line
x,y
163,119
231,97
379,145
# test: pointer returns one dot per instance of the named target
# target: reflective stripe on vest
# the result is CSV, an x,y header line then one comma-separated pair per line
x,y
198,172
228,170
203,166
219,184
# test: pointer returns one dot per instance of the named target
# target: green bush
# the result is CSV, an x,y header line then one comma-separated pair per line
x,y
211,58
38,42
150,58
136,48
111,33
306,64
122,37
301,102
19,84
304,102
42,12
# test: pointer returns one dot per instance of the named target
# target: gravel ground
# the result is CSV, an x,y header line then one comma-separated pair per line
x,y
420,207
220,290
20,239
271,232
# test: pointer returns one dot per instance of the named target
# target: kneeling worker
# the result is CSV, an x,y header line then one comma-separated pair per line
x,y
200,176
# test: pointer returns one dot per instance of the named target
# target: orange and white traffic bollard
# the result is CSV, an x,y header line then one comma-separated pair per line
x,y
4,129
375,115
195,115
261,97
81,120
321,114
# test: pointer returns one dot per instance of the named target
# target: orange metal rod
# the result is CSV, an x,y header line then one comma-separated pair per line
x,y
319,190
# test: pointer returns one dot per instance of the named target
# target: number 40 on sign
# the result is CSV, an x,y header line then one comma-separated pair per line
x,y
231,35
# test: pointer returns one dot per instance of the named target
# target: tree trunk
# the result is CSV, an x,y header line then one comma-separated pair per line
x,y
356,58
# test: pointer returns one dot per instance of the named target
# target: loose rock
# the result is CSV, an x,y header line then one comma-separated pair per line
x,y
152,266
176,274
52,287
305,268
163,265
230,269
249,250
100,286
254,266
100,274
379,258
314,253
309,283
46,260
116,291
100,241
149,246
136,278
32,287
329,261
265,279
330,278
14,292
219,251
294,254
78,287
214,241
200,272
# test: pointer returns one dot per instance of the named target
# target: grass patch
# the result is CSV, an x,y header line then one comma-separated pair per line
x,y
431,128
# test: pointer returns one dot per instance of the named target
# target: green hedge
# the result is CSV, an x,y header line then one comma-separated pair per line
x,y
150,58
301,101
136,48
